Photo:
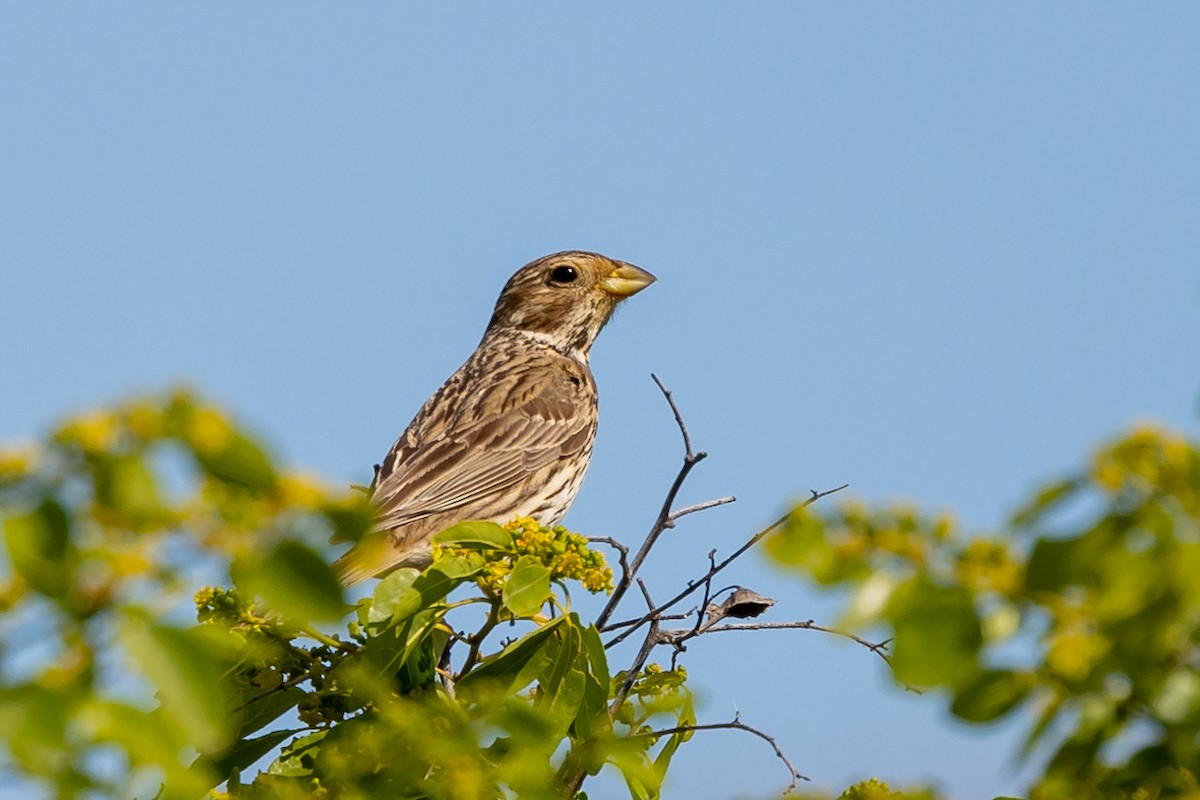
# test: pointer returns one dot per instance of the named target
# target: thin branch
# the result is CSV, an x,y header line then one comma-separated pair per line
x,y
694,585
295,680
612,626
678,643
476,639
622,553
645,593
664,519
639,661
329,641
679,635
687,440
700,612
720,501
737,725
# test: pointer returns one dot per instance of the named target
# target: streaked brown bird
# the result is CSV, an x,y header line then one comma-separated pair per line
x,y
511,432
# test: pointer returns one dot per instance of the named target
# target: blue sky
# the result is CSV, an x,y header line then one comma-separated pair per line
x,y
934,251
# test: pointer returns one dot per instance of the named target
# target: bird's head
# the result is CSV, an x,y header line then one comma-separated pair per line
x,y
565,299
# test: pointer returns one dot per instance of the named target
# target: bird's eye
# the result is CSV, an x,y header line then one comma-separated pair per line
x,y
564,275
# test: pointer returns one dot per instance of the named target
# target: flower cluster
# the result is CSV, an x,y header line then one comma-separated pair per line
x,y
564,553
1148,460
227,607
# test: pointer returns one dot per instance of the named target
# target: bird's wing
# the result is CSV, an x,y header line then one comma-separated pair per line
x,y
487,439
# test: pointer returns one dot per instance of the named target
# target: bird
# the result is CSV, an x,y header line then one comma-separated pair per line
x,y
509,434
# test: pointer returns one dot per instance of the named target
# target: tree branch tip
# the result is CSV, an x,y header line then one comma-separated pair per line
x,y
737,724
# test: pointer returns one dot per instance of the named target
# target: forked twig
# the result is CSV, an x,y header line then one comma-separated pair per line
x,y
696,584
737,725
665,518
656,614
622,553
683,512
639,661
676,636
625,623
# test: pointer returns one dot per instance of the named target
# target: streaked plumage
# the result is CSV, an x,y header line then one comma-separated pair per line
x,y
510,433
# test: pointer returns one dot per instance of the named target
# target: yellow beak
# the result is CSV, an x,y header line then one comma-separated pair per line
x,y
626,280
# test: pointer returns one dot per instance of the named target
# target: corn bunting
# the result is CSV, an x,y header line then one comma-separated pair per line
x,y
510,433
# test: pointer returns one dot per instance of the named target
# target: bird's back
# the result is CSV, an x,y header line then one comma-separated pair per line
x,y
507,435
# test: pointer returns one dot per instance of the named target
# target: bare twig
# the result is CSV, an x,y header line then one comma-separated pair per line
x,y
737,725
645,593
687,440
677,636
625,623
712,562
665,518
476,639
639,661
694,585
683,512
679,648
622,553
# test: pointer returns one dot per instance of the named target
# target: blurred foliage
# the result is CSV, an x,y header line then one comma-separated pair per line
x,y
119,679
112,522
873,790
1083,616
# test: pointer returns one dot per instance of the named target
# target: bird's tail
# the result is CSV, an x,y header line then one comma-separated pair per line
x,y
368,558
377,554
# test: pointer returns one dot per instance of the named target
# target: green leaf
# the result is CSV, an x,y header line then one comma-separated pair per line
x,y
391,593
389,655
800,542
418,654
126,485
405,592
240,755
424,643
593,720
992,695
262,709
296,760
147,739
1047,500
39,548
351,521
937,634
34,721
189,677
295,582
453,569
505,671
239,461
686,716
527,588
563,684
1076,754
1052,564
651,684
476,535
630,757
